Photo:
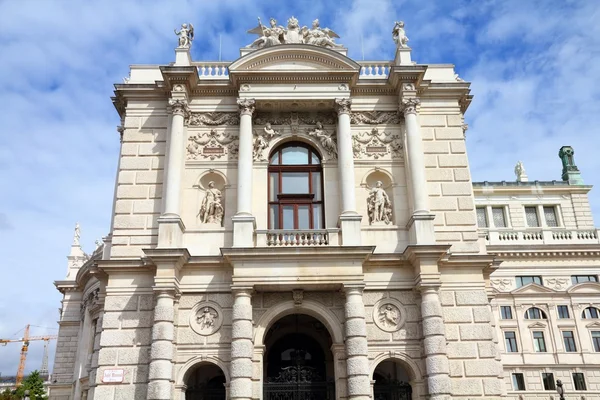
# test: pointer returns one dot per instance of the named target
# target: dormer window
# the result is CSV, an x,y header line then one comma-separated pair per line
x,y
295,188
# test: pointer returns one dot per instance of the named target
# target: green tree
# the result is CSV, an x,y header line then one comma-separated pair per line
x,y
35,384
8,395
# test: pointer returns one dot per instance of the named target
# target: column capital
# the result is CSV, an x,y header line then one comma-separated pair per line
x,y
179,107
408,105
355,288
342,105
246,106
242,291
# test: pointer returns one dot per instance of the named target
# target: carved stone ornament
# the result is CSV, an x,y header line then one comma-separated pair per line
x,y
179,107
274,34
213,118
399,35
343,105
211,145
206,318
375,117
211,210
387,315
298,296
557,283
327,139
186,35
379,206
502,285
291,118
90,301
409,105
262,138
246,106
376,144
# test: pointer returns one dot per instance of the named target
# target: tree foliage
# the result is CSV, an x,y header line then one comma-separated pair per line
x,y
34,383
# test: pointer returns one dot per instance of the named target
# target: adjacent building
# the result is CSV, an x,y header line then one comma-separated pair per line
x,y
298,224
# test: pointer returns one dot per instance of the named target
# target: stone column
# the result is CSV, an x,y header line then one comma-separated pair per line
x,y
160,373
357,361
349,219
434,344
242,347
170,225
421,222
243,220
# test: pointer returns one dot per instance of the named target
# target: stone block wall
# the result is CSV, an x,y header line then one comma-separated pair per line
x,y
68,339
475,370
449,180
138,200
125,344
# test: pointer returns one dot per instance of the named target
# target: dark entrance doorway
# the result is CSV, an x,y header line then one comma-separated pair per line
x,y
391,382
298,363
205,382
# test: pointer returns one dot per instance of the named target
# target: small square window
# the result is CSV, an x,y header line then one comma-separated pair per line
x,y
526,280
579,381
532,217
482,220
510,338
563,312
575,279
539,343
518,381
550,216
548,380
596,341
498,217
569,341
506,312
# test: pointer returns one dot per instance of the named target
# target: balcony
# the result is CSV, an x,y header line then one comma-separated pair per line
x,y
297,237
541,237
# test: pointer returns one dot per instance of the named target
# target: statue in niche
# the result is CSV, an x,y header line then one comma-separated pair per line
x,y
186,35
318,36
269,36
262,140
211,210
206,320
325,138
379,205
399,35
388,316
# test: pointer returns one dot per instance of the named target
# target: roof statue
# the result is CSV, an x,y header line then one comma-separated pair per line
x,y
399,35
293,34
186,35
520,172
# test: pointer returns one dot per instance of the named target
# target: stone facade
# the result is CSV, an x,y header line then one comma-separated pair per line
x,y
387,283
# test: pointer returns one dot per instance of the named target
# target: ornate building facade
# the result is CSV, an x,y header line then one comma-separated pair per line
x,y
297,224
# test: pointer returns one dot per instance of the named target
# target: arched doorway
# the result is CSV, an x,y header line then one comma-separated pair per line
x,y
205,382
391,382
298,363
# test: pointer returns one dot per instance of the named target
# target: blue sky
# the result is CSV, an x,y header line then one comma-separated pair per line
x,y
534,68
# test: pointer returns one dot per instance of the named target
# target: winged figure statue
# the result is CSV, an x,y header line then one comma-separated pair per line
x,y
268,36
318,36
186,35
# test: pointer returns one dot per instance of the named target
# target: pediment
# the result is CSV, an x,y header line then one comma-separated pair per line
x,y
294,58
585,288
533,288
537,325
593,325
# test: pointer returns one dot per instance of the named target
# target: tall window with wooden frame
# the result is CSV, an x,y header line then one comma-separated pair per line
x,y
295,188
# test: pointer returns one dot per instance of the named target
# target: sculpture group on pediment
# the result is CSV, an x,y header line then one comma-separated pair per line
x,y
211,210
276,34
379,206
376,144
211,145
325,138
262,138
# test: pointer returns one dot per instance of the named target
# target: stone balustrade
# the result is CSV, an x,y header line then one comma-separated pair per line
x,y
541,237
295,237
374,69
213,70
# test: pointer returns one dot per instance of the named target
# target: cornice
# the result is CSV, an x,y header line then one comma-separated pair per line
x,y
486,188
519,252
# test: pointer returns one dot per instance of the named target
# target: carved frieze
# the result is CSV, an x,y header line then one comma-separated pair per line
x,y
213,119
289,118
375,144
206,318
502,284
211,145
375,117
557,283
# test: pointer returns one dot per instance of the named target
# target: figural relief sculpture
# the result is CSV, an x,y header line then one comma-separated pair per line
x,y
326,139
375,144
387,315
186,35
206,318
262,138
379,206
276,34
211,145
211,210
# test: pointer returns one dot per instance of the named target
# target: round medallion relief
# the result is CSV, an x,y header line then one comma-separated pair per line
x,y
388,316
206,318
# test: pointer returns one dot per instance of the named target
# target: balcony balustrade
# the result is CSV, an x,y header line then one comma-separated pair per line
x,y
213,70
541,237
297,237
374,69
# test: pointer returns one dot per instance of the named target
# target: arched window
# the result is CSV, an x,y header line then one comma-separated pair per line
x,y
590,313
535,313
295,188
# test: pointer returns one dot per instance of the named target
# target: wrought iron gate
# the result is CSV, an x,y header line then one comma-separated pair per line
x,y
298,383
205,392
394,390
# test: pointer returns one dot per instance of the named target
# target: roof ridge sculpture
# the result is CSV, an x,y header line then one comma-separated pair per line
x,y
293,34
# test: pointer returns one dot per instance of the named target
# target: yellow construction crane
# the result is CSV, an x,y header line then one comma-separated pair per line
x,y
26,339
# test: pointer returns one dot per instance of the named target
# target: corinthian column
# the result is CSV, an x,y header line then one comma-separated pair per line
x,y
421,222
160,374
170,225
349,220
357,362
242,347
243,221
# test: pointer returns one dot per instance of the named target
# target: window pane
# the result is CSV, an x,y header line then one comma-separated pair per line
x,y
563,312
294,182
579,380
526,280
294,156
548,379
531,216
317,215
288,217
274,216
569,341
275,158
498,217
518,381
583,278
273,186
550,216
506,312
596,340
303,217
510,342
590,313
481,218
539,344
316,186
314,158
